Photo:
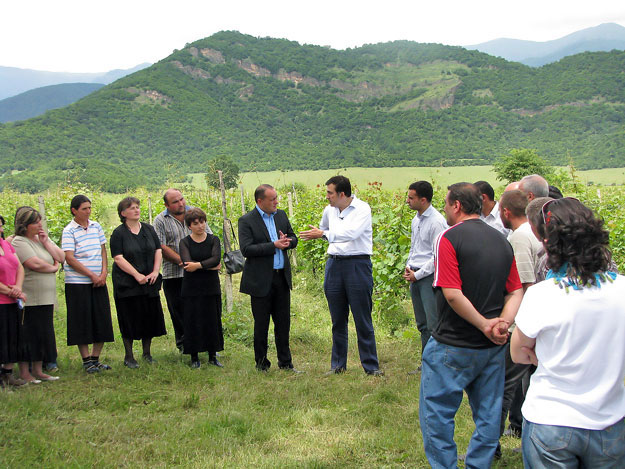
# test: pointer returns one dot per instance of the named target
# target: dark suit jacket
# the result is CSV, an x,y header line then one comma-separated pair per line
x,y
258,249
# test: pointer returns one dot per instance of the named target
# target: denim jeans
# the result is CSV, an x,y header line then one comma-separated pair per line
x,y
348,285
446,372
550,446
424,306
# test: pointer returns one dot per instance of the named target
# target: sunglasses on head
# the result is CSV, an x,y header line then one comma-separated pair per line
x,y
545,210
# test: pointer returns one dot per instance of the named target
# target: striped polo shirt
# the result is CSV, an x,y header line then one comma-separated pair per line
x,y
87,247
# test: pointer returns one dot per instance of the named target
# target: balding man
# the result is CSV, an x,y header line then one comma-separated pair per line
x,y
170,228
534,186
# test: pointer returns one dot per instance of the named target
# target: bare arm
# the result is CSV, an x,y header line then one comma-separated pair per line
x,y
170,255
56,252
158,258
38,265
75,264
522,348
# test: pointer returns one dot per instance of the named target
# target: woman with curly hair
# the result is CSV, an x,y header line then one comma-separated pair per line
x,y
571,326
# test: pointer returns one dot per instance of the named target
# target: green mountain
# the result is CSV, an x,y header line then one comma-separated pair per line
x,y
275,104
35,102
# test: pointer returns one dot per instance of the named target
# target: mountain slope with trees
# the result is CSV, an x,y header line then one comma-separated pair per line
x,y
275,104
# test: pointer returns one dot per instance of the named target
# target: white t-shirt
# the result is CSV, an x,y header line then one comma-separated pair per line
x,y
580,345
527,250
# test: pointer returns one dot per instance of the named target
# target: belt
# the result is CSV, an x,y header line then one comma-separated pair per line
x,y
414,269
357,256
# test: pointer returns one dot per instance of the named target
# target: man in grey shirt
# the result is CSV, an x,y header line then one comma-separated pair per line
x,y
427,224
170,228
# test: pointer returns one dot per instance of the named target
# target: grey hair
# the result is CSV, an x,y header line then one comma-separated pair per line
x,y
536,184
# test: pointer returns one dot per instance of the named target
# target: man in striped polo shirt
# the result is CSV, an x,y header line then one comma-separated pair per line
x,y
88,308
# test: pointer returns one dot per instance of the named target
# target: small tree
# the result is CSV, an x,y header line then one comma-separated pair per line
x,y
229,169
519,163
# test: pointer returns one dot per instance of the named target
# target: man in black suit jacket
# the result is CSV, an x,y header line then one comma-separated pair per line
x,y
265,234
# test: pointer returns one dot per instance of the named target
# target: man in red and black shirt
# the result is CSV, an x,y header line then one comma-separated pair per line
x,y
478,294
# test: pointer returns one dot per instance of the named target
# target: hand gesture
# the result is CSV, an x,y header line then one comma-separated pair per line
x,y
43,236
313,233
283,242
151,277
141,279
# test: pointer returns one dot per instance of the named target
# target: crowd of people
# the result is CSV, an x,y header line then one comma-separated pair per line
x,y
516,301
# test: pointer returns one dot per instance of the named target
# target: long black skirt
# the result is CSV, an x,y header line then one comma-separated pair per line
x,y
9,333
202,324
88,314
140,317
37,341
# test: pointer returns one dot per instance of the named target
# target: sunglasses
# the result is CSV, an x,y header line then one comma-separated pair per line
x,y
545,210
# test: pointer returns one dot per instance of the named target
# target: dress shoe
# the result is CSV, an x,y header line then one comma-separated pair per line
x,y
33,381
374,372
291,370
335,371
132,363
214,361
196,364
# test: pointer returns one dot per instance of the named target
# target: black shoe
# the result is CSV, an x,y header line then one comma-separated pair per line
x,y
91,367
148,358
195,364
335,371
513,432
374,372
498,451
214,361
264,369
132,363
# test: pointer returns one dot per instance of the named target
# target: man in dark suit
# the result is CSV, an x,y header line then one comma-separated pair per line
x,y
265,234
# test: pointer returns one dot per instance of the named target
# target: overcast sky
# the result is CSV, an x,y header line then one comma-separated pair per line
x,y
97,36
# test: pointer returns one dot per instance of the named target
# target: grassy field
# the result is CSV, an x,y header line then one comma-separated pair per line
x,y
400,178
167,415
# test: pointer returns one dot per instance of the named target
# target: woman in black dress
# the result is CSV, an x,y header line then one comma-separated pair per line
x,y
137,253
200,253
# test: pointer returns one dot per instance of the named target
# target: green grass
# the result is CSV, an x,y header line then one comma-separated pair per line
x,y
400,178
169,415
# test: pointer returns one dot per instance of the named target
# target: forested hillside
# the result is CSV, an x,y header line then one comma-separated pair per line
x,y
275,104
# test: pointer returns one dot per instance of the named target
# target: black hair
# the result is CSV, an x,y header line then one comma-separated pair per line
x,y
468,195
259,193
485,189
194,214
3,223
555,193
77,201
341,184
577,238
423,189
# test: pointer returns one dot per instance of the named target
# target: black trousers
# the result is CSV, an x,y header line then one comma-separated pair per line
x,y
276,305
172,288
515,372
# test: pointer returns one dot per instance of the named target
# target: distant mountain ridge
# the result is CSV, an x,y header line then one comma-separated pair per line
x,y
14,81
605,37
275,104
35,102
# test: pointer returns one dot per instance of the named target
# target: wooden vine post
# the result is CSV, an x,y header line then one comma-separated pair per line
x,y
42,211
227,242
293,254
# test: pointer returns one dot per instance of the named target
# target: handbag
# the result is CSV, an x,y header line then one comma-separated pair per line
x,y
233,259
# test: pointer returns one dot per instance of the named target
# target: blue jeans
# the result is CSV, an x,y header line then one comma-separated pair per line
x,y
550,446
446,372
424,306
348,284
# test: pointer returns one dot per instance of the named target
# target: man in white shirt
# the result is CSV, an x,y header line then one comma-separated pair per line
x,y
490,208
346,225
427,224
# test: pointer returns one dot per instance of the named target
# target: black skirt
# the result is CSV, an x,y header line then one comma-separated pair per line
x,y
9,333
37,341
140,317
202,324
88,314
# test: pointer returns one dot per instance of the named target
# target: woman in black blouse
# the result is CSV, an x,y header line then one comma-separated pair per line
x,y
201,253
137,253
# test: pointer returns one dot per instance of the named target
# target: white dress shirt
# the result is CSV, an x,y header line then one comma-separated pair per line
x,y
494,220
349,232
425,228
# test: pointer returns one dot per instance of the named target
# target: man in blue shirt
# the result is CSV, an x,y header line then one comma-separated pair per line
x,y
265,234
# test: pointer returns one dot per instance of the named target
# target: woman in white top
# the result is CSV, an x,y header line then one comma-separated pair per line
x,y
572,327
